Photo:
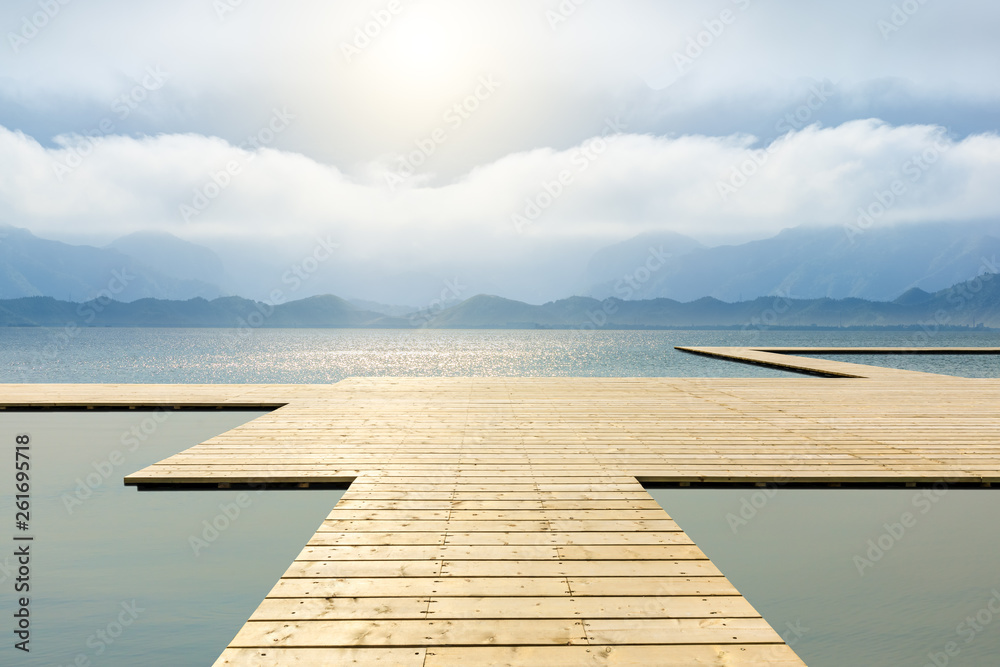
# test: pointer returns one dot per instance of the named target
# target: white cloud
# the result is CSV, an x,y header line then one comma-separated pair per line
x,y
612,188
226,73
558,85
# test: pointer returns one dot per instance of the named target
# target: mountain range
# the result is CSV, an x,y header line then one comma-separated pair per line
x,y
805,263
972,303
876,264
31,266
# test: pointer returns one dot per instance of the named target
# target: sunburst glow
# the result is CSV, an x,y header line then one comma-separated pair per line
x,y
420,51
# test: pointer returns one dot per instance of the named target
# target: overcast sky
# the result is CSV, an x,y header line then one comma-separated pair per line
x,y
420,131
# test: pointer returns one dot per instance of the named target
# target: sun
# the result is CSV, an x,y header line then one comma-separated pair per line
x,y
421,45
420,50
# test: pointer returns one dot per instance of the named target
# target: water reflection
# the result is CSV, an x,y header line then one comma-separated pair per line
x,y
846,580
122,577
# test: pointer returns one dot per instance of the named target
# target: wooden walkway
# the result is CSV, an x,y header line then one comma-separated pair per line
x,y
501,521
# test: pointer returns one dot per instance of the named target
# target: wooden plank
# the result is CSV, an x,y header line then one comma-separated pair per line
x,y
637,630
733,606
450,586
331,538
655,585
341,608
347,634
703,655
376,608
376,568
576,568
501,520
323,657
526,526
556,551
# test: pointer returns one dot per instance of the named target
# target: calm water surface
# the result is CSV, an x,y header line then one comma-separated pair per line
x,y
99,545
329,355
971,366
794,558
804,558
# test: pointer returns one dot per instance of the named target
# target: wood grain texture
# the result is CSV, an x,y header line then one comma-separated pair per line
x,y
501,521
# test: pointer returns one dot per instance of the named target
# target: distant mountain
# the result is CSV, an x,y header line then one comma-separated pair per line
x,y
31,266
487,311
881,263
974,303
173,256
326,311
385,309
968,304
804,263
224,312
913,296
611,263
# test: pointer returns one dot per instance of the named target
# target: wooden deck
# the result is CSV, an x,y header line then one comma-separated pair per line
x,y
501,521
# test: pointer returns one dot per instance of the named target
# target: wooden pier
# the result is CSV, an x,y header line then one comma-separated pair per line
x,y
502,521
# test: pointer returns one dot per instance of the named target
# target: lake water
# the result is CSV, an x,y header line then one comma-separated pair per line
x,y
329,355
794,558
99,545
803,558
972,366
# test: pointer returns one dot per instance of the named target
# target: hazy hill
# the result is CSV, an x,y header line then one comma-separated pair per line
x,y
808,263
384,308
31,266
173,256
972,303
880,264
322,311
609,264
224,312
493,311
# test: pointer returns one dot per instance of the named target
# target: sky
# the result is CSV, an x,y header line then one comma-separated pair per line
x,y
517,137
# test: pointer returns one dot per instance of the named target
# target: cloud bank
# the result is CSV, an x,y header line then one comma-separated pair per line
x,y
611,186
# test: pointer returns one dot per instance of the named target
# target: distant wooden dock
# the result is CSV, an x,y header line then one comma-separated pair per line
x,y
502,521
